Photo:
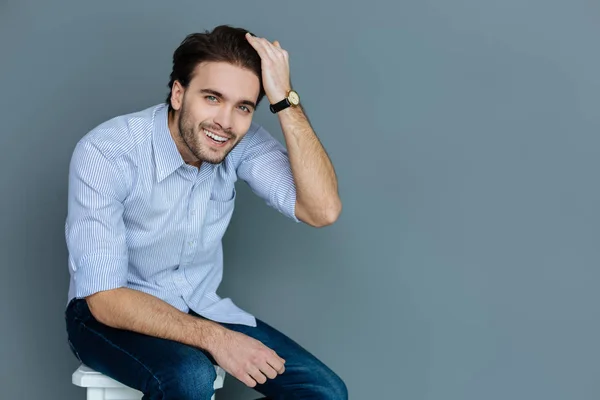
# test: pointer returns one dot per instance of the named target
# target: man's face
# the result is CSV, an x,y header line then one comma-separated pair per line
x,y
215,111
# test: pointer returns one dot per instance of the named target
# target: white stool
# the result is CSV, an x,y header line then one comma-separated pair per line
x,y
101,387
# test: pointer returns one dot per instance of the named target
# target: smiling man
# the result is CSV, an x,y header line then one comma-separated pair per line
x,y
150,197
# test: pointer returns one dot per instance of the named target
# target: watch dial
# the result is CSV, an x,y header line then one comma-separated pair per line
x,y
294,98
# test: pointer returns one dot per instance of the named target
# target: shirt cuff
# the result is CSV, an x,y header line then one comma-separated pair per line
x,y
99,272
283,196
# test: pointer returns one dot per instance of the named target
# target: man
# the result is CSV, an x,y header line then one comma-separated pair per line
x,y
150,197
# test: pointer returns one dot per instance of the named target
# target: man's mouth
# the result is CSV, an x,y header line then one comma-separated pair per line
x,y
220,140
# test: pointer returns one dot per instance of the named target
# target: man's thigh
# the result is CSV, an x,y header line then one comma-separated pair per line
x,y
305,376
160,368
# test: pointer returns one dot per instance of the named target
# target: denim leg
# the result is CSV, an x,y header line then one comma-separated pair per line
x,y
159,368
305,376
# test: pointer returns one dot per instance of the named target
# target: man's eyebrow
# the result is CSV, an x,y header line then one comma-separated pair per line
x,y
219,94
213,92
248,103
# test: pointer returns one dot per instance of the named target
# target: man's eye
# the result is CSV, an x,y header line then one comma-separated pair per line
x,y
211,98
245,109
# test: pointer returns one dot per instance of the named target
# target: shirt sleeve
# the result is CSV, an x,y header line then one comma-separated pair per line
x,y
265,167
94,229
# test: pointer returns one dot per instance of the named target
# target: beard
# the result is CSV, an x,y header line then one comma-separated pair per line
x,y
195,139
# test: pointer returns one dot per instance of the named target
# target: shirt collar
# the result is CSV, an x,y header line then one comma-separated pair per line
x,y
166,156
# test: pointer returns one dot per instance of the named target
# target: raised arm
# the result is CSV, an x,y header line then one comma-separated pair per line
x,y
317,199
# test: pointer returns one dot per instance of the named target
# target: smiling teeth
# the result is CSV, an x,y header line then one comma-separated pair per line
x,y
215,137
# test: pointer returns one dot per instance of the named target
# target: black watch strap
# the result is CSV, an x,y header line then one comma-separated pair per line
x,y
280,105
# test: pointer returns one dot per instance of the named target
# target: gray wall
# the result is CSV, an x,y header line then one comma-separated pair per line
x,y
465,136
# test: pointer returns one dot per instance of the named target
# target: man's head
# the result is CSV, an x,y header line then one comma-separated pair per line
x,y
216,84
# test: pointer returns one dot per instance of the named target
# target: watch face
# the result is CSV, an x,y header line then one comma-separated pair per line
x,y
294,98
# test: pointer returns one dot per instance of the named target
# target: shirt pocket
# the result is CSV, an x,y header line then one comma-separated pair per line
x,y
218,215
223,193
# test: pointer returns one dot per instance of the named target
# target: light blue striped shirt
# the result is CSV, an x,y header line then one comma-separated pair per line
x,y
140,217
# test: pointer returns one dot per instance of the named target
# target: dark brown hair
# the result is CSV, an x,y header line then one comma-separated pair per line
x,y
223,44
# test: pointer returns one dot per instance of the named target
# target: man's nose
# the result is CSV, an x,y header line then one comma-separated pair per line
x,y
223,118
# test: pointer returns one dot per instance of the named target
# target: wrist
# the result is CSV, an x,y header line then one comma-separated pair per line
x,y
290,99
277,96
210,335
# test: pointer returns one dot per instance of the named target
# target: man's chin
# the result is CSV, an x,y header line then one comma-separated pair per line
x,y
215,159
214,162
213,155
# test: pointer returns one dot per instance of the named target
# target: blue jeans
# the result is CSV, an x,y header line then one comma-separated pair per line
x,y
168,370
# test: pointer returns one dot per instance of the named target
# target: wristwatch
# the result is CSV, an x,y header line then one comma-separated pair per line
x,y
291,100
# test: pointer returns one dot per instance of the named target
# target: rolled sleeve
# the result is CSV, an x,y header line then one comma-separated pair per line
x,y
99,272
265,167
95,231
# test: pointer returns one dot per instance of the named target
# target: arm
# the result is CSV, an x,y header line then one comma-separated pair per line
x,y
317,201
132,310
245,358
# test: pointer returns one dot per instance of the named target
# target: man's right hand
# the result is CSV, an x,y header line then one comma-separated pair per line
x,y
246,358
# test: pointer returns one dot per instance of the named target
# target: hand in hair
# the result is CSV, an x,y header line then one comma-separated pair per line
x,y
275,67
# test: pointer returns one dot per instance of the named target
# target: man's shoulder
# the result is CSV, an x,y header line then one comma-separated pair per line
x,y
256,135
121,135
256,132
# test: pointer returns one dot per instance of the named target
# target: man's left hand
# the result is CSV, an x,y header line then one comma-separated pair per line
x,y
275,67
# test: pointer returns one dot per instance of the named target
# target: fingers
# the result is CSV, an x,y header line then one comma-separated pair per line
x,y
260,375
255,363
272,366
258,45
276,362
283,52
247,380
266,48
278,366
267,370
257,376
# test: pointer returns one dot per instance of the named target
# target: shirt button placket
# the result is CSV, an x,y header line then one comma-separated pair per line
x,y
192,229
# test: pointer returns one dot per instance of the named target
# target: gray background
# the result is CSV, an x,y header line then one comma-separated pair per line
x,y
465,136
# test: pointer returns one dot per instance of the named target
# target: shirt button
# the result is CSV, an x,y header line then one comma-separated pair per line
x,y
193,212
193,243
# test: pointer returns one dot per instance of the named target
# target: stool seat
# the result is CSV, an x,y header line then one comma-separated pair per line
x,y
101,387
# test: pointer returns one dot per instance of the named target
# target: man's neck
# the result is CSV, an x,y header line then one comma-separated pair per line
x,y
196,164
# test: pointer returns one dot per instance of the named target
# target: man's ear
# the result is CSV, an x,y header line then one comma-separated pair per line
x,y
177,92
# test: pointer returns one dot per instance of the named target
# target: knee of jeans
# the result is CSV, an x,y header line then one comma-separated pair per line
x,y
334,388
192,379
